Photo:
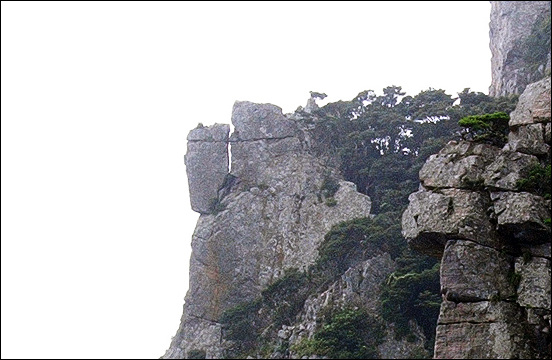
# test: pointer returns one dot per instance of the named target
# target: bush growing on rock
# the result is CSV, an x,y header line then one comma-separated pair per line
x,y
488,128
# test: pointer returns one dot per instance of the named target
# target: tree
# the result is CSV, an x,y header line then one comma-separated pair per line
x,y
488,128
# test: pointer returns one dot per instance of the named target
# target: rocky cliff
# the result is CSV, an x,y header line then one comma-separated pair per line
x,y
493,237
261,220
285,259
520,45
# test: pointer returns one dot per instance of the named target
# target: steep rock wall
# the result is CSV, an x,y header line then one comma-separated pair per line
x,y
269,215
493,239
515,62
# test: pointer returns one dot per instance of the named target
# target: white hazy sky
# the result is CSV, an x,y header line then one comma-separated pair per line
x,y
97,100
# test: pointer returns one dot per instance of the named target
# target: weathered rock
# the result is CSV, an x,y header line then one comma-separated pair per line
x,y
433,218
459,165
475,273
478,312
511,24
271,217
260,121
206,165
534,285
507,168
251,158
522,216
533,105
360,286
496,340
216,132
528,139
481,280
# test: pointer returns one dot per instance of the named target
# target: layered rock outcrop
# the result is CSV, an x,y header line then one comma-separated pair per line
x,y
493,239
518,45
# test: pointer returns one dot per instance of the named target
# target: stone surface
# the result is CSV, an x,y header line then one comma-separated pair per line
x,y
271,217
528,139
459,165
260,121
506,169
216,132
495,266
496,340
530,121
206,165
510,23
472,272
522,216
534,286
478,312
433,218
533,105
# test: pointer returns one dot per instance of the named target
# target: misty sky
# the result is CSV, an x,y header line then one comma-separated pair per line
x,y
97,100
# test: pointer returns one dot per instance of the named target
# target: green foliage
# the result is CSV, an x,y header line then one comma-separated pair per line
x,y
196,354
350,242
537,181
331,202
413,293
488,128
329,186
343,246
382,141
240,324
349,333
286,296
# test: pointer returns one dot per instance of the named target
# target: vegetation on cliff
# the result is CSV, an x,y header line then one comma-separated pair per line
x,y
380,143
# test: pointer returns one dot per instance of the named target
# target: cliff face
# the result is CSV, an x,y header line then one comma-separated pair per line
x,y
519,31
268,204
266,215
492,237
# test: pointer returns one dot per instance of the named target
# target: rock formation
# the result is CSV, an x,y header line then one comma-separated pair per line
x,y
493,239
268,216
518,45
206,165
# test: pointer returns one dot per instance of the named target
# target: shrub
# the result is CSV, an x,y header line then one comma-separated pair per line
x,y
240,324
196,354
537,181
329,186
488,128
331,202
286,296
412,293
349,333
343,246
